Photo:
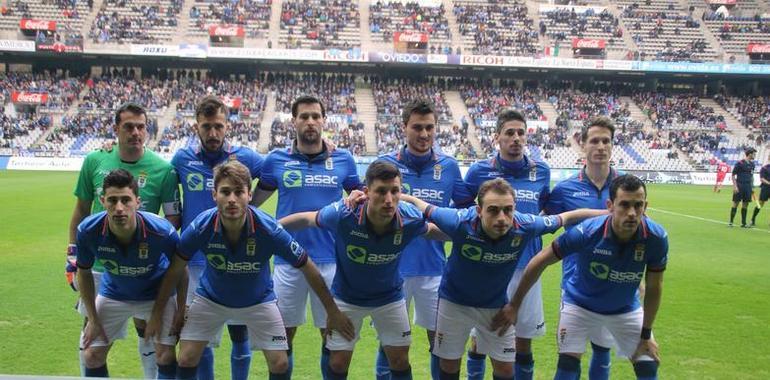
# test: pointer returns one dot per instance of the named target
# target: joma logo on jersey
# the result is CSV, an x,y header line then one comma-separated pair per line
x,y
295,178
113,267
360,255
106,249
580,194
603,272
217,246
196,182
475,253
219,262
603,252
527,195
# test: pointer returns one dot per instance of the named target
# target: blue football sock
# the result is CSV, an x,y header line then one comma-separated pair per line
x,y
279,376
186,373
167,371
524,368
448,376
405,374
435,367
382,367
206,365
290,356
568,368
240,356
325,353
476,364
331,375
600,363
97,372
495,377
646,370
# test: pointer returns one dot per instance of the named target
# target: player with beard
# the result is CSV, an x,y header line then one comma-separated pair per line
x,y
195,167
308,176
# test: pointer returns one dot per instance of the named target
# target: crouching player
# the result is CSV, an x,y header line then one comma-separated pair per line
x,y
613,254
135,248
238,241
487,241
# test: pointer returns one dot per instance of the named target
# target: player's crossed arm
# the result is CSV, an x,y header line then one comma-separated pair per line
x,y
299,221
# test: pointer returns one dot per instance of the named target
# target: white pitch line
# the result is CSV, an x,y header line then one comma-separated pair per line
x,y
703,219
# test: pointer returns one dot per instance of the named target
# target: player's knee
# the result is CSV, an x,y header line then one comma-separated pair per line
x,y
238,333
164,354
188,358
449,366
502,369
339,363
568,363
95,357
523,345
646,369
278,364
398,361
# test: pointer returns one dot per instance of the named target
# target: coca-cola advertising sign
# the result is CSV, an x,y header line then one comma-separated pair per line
x,y
226,31
29,97
758,49
31,24
586,43
232,102
410,37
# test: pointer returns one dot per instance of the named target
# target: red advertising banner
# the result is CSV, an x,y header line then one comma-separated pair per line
x,y
31,24
586,43
226,31
758,49
410,37
232,102
722,2
29,97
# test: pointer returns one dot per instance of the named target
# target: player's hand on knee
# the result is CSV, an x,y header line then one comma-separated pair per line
x,y
504,319
93,331
153,327
71,266
341,323
355,198
647,347
178,322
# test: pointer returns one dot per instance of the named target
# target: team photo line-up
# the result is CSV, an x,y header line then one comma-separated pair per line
x,y
358,250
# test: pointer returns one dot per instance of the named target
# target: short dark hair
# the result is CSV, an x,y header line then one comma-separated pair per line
x,y
749,151
420,106
509,114
307,99
235,172
209,106
129,107
627,182
599,121
381,170
497,185
120,178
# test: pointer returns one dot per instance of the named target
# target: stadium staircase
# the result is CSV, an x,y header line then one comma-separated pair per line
x,y
88,21
533,13
631,152
183,23
459,110
366,32
367,114
164,121
734,126
457,40
273,34
265,127
637,113
535,152
710,38
549,111
630,44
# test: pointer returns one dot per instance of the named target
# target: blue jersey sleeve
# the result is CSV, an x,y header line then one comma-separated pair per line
x,y
284,245
545,193
329,216
266,179
535,225
85,256
571,241
447,219
412,212
171,243
352,181
256,163
658,258
461,195
193,238
555,203
472,182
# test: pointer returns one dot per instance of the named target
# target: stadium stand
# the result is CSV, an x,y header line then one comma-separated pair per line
x,y
138,21
387,18
320,24
61,91
252,15
496,27
565,24
108,93
22,130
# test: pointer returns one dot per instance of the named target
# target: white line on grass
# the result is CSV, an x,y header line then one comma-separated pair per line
x,y
699,218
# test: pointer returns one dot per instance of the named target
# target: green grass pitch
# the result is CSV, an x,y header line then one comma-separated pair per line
x,y
713,323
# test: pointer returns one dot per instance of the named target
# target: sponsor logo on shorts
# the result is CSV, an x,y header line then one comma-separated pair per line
x,y
439,338
540,326
406,334
509,350
562,335
280,338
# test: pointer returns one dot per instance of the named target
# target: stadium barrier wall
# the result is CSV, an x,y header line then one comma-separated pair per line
x,y
650,176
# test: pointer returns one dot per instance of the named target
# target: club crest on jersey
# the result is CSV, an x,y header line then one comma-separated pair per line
x,y
516,241
639,252
437,172
329,164
232,157
144,251
141,180
251,247
533,174
397,238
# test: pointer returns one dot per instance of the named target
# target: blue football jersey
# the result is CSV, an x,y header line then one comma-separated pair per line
x,y
239,276
571,194
608,272
531,185
479,269
367,263
437,183
306,184
133,272
195,168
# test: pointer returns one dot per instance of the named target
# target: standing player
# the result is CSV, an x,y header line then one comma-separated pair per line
x,y
195,167
613,253
370,239
238,241
722,170
764,191
589,188
435,178
308,175
134,247
531,181
487,242
158,189
743,185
